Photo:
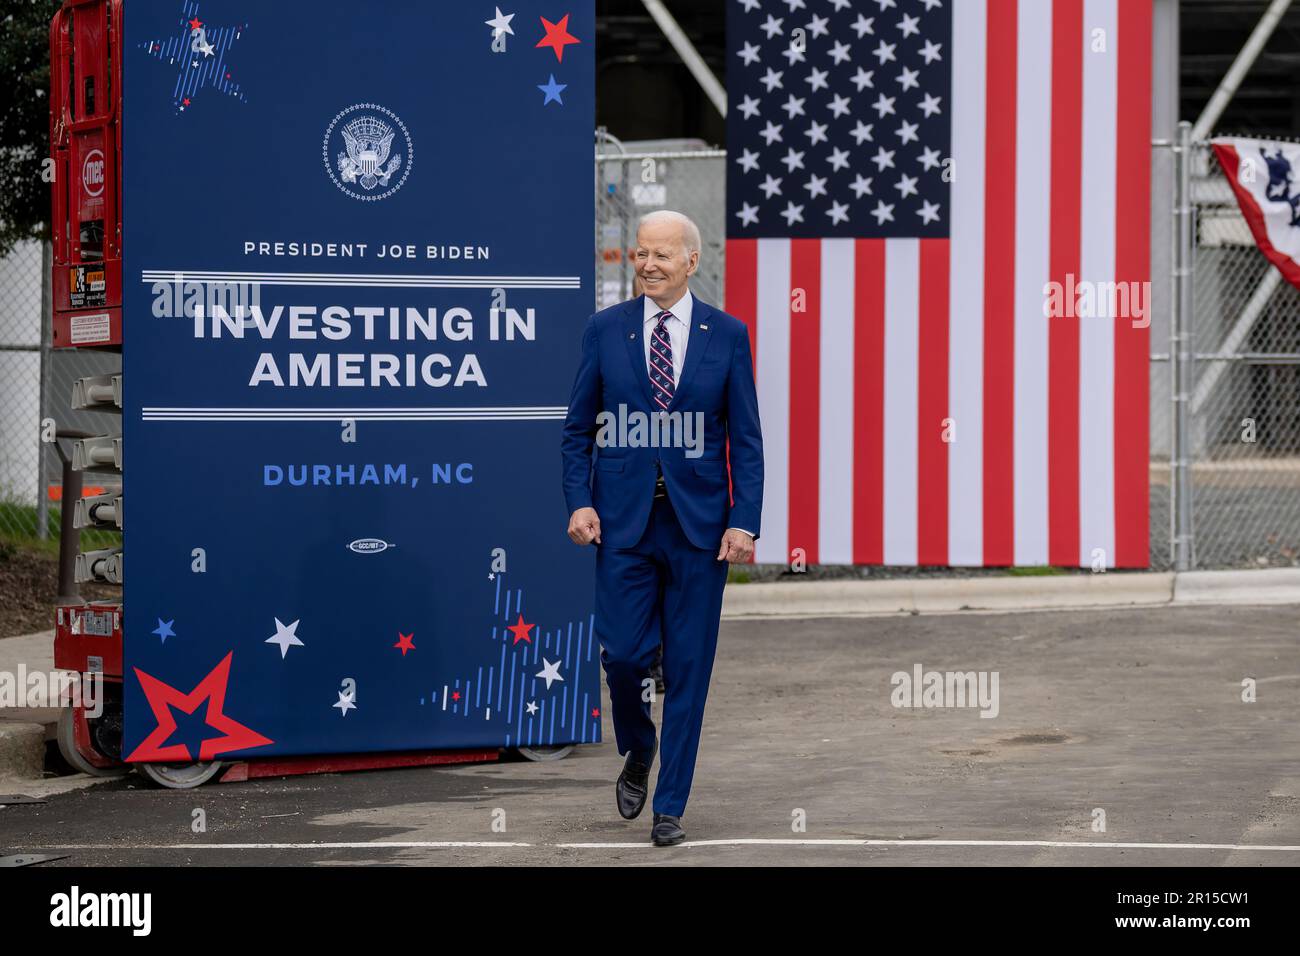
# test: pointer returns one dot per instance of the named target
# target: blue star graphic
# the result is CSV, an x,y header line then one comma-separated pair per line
x,y
164,629
552,91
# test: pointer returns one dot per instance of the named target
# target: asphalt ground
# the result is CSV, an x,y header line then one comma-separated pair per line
x,y
1121,739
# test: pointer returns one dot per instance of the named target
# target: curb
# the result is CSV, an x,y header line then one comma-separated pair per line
x,y
1010,593
22,751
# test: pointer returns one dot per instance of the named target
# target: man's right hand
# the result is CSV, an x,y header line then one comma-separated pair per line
x,y
584,526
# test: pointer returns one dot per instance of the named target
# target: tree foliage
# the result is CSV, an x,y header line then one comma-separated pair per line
x,y
24,119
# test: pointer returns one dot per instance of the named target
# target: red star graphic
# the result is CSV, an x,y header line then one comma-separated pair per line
x,y
186,101
595,711
521,631
557,36
212,689
195,23
404,642
455,695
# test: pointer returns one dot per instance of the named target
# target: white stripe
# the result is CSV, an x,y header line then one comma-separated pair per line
x,y
902,327
966,289
178,276
1033,243
741,841
835,447
1097,264
773,374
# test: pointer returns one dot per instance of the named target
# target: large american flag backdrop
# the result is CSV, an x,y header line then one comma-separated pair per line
x,y
905,180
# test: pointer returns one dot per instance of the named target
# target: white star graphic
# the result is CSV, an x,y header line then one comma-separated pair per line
x,y
862,132
906,186
817,78
793,105
816,133
345,702
816,186
861,185
930,157
501,24
862,78
908,79
840,51
884,158
750,5
748,214
839,105
792,213
839,159
550,672
532,707
909,25
863,25
771,186
930,104
839,212
907,132
772,26
771,79
749,53
285,637
885,52
931,51
793,160
884,105
749,106
817,26
771,132
883,212
928,212
794,54
748,160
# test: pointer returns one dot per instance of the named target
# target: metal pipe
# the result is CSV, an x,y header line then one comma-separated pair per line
x,y
1180,512
1240,67
686,50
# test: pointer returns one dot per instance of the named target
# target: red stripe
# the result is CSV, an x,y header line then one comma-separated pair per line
x,y
1133,264
932,406
805,393
869,401
1063,268
742,287
999,284
741,300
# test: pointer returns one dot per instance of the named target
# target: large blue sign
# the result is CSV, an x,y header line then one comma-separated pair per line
x,y
358,258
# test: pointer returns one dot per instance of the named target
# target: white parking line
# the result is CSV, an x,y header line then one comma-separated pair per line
x,y
455,844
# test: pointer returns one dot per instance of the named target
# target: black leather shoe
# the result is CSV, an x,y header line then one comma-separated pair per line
x,y
667,830
633,785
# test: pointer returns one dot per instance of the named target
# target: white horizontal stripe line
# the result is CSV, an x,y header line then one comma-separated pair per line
x,y
439,844
372,408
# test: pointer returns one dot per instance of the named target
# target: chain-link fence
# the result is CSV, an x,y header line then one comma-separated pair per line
x,y
36,384
1243,404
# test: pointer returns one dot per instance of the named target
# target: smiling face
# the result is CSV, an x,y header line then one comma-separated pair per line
x,y
662,262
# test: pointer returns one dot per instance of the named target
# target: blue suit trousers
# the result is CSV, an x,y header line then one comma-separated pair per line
x,y
662,589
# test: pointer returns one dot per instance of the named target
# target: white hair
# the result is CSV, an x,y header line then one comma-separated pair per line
x,y
690,231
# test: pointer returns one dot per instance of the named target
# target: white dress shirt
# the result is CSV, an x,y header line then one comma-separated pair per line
x,y
679,331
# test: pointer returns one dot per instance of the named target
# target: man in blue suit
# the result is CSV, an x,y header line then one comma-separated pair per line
x,y
656,504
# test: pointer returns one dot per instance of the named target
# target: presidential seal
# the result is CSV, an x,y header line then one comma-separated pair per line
x,y
363,153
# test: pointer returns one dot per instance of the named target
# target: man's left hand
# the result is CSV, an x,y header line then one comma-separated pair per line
x,y
737,547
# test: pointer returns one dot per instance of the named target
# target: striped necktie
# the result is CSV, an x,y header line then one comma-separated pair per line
x,y
661,363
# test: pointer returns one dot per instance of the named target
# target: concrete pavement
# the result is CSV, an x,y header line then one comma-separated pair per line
x,y
1132,716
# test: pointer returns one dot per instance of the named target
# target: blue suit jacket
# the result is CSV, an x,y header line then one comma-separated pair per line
x,y
717,381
